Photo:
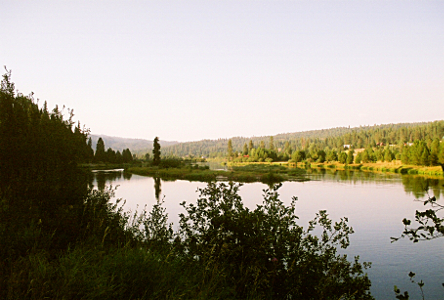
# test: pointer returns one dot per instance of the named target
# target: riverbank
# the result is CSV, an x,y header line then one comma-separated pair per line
x,y
105,166
388,167
275,171
248,173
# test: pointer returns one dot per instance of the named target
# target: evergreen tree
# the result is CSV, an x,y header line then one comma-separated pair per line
x,y
405,155
100,151
298,156
387,155
90,154
119,159
331,155
250,146
230,149
343,157
321,156
127,157
110,156
358,157
365,158
434,152
271,146
245,150
350,157
441,157
156,152
287,148
425,161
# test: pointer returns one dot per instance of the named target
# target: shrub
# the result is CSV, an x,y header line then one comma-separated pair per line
x,y
264,253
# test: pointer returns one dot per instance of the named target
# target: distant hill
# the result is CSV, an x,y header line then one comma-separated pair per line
x,y
333,138
139,146
358,137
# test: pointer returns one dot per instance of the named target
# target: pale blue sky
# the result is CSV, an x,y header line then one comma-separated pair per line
x,y
192,70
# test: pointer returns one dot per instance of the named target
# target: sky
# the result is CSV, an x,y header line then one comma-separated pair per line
x,y
193,70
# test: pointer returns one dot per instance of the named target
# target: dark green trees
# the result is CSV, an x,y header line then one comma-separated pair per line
x,y
264,253
90,151
156,152
298,156
39,179
350,156
111,156
230,149
342,157
100,155
127,157
245,149
250,146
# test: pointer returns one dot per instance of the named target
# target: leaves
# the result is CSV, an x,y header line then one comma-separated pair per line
x,y
264,252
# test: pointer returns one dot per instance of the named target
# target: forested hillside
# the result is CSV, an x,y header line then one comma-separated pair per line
x,y
334,138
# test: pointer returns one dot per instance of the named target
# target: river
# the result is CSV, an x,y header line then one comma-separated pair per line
x,y
374,204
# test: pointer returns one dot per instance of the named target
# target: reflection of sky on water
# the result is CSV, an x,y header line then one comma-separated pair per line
x,y
375,205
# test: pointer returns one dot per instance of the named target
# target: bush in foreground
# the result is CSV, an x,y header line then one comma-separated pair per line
x,y
221,250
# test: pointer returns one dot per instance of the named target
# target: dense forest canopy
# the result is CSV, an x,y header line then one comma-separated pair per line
x,y
284,145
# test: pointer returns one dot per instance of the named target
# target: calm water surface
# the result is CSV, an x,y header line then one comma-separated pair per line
x,y
375,205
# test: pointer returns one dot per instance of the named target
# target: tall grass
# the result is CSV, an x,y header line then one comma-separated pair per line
x,y
221,250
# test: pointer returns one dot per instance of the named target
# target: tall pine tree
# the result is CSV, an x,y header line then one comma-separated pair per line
x,y
156,152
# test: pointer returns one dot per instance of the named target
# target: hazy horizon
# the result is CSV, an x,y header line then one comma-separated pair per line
x,y
195,70
254,136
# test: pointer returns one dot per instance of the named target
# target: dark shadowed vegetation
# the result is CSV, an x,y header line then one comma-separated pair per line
x,y
62,240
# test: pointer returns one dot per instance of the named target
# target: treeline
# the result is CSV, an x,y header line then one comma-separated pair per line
x,y
47,206
35,141
41,189
381,142
417,153
110,155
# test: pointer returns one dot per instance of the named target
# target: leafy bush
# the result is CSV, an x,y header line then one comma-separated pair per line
x,y
263,253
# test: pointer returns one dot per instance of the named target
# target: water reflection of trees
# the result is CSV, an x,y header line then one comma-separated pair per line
x,y
416,185
419,186
106,178
157,188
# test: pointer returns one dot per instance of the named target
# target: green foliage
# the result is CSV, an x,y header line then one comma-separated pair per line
x,y
431,226
396,135
350,156
298,156
156,152
271,144
245,150
61,240
264,253
405,295
343,157
230,149
358,158
100,155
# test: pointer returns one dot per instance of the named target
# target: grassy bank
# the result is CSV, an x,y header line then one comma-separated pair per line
x,y
106,166
119,255
391,167
242,173
275,171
